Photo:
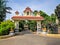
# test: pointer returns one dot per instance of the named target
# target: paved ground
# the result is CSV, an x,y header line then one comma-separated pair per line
x,y
29,39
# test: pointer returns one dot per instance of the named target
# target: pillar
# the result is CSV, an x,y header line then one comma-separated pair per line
x,y
57,21
39,27
16,27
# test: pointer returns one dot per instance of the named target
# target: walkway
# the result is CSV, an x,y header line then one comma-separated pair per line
x,y
29,39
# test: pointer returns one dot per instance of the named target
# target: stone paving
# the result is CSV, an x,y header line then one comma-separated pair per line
x,y
29,39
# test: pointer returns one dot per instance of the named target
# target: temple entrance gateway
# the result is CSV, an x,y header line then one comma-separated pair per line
x,y
28,15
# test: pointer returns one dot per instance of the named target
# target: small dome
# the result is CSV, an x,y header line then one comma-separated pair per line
x,y
28,9
17,13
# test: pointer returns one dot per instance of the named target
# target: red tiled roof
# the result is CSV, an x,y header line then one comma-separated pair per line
x,y
27,9
27,18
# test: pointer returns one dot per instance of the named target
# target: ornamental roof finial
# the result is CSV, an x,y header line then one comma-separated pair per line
x,y
17,13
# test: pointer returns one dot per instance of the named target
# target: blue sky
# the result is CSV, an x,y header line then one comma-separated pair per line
x,y
47,6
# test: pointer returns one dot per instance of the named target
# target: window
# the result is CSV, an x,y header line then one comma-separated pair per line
x,y
27,13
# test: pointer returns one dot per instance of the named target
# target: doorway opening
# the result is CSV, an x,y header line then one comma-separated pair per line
x,y
27,25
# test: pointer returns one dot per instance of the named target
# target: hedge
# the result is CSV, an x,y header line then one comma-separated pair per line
x,y
5,27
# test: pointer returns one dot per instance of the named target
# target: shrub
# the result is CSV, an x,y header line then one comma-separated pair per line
x,y
5,27
32,25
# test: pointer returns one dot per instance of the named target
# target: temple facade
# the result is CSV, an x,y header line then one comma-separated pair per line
x,y
27,15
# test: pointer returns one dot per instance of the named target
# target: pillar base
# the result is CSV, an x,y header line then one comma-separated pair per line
x,y
44,32
16,31
39,30
11,33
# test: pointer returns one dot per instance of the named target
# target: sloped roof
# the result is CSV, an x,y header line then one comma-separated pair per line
x,y
27,18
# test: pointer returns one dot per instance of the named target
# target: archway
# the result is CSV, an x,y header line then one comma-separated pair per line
x,y
26,17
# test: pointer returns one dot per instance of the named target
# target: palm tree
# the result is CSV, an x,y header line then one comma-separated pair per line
x,y
3,10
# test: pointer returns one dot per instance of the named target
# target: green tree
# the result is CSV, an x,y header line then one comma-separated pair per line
x,y
57,12
21,25
53,18
46,17
42,13
35,12
32,25
3,10
6,26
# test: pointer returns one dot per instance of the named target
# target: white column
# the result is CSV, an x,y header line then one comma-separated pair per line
x,y
16,27
38,27
57,21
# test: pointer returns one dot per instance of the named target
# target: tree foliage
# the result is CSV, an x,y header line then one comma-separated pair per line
x,y
35,12
5,27
57,12
21,25
53,18
3,10
32,25
42,13
46,17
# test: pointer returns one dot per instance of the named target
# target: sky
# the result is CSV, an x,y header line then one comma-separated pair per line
x,y
47,6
